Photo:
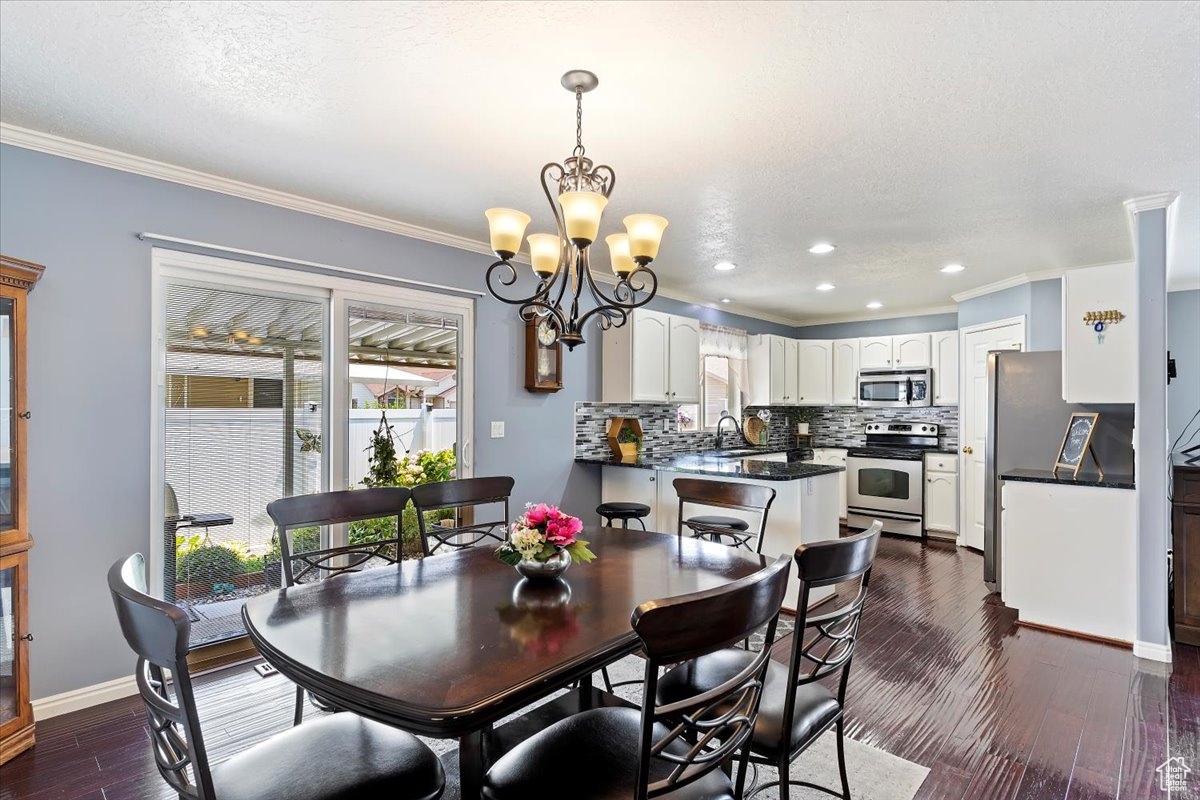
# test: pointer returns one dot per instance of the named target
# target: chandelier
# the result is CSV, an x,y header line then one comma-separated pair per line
x,y
561,260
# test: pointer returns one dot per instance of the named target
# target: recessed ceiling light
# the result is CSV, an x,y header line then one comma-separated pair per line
x,y
825,287
726,300
874,304
953,268
821,248
724,266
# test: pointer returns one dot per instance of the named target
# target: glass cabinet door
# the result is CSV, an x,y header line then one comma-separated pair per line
x,y
8,416
9,706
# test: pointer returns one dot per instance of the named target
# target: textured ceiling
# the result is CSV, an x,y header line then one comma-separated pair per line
x,y
1000,135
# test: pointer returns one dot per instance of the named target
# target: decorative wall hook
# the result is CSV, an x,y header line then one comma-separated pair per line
x,y
1100,320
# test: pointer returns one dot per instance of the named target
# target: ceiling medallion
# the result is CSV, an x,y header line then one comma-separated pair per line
x,y
561,260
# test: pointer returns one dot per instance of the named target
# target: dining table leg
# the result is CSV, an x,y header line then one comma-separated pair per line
x,y
471,764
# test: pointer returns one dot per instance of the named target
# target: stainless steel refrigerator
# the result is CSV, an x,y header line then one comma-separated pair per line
x,y
1026,419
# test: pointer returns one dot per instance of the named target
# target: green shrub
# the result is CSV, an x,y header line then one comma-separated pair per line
x,y
208,564
253,563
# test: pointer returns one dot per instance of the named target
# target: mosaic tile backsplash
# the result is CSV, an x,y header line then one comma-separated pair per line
x,y
833,426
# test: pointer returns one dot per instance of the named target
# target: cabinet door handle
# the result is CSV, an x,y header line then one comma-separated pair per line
x,y
27,637
652,480
25,415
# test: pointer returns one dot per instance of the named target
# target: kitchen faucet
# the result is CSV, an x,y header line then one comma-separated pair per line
x,y
725,415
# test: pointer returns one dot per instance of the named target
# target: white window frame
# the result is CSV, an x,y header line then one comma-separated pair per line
x,y
175,266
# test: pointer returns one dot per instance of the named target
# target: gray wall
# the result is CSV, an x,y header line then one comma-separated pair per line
x,y
89,330
1183,340
926,323
1045,315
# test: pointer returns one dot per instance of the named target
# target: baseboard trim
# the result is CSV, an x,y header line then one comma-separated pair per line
x,y
78,699
1152,652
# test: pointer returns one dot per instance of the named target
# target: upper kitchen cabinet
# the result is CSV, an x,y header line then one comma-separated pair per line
x,y
945,368
911,350
1099,366
774,363
683,360
875,352
815,384
653,358
845,372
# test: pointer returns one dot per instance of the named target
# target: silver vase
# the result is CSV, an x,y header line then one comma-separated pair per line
x,y
549,570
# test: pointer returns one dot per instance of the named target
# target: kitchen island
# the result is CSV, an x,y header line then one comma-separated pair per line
x,y
805,509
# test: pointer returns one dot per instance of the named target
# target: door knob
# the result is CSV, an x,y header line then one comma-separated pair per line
x,y
968,450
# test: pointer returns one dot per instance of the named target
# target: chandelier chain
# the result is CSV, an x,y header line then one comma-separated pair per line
x,y
578,121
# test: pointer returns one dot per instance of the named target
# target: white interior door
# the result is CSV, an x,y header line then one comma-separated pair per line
x,y
977,341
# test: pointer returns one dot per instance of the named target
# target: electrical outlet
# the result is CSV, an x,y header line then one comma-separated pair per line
x,y
667,426
497,430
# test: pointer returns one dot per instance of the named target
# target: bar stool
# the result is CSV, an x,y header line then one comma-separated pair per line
x,y
610,512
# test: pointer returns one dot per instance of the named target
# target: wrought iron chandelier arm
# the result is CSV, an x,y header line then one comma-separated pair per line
x,y
496,272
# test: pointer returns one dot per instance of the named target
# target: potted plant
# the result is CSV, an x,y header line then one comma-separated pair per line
x,y
543,543
804,416
625,438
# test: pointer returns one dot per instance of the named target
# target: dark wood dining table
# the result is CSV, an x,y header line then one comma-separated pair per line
x,y
447,645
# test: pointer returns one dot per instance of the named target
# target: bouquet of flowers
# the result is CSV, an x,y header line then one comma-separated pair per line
x,y
541,533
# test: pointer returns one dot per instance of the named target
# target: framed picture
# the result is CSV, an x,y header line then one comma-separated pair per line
x,y
1077,444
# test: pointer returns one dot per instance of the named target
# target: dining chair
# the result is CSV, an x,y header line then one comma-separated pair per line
x,y
796,709
333,508
678,749
464,493
725,494
339,756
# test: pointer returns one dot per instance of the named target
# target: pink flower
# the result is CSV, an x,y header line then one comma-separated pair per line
x,y
563,529
538,514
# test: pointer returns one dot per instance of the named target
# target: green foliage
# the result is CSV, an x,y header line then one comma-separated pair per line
x,y
208,564
806,414
629,436
579,552
381,463
426,466
253,563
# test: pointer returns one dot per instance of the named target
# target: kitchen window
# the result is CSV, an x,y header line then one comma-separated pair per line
x,y
722,378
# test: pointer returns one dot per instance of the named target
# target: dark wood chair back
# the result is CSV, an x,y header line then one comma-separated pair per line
x,y
332,508
688,738
824,643
461,494
726,494
158,633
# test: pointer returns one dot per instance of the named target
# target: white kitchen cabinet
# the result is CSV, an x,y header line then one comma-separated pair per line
x,y
630,485
1099,369
845,372
653,358
815,372
774,364
683,360
941,492
911,350
836,457
945,368
875,352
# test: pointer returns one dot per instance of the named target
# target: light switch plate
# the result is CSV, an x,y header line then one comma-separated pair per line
x,y
497,430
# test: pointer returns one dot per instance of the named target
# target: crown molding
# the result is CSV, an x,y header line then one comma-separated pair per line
x,y
925,311
1150,202
1007,283
113,159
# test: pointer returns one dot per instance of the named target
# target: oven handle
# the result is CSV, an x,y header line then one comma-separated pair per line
x,y
885,514
908,391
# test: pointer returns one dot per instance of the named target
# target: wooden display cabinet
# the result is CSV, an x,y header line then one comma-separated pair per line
x,y
16,715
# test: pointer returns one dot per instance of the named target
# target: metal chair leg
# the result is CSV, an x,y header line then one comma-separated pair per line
x,y
640,522
841,748
299,706
785,777
608,687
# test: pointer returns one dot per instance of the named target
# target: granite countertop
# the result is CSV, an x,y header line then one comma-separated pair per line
x,y
701,464
1110,481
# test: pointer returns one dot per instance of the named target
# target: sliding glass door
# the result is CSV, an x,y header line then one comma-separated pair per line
x,y
272,383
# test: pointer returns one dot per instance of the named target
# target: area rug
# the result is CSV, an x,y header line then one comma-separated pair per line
x,y
874,774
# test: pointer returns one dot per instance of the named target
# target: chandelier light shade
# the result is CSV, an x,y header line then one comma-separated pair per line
x,y
618,253
545,250
506,226
645,235
577,191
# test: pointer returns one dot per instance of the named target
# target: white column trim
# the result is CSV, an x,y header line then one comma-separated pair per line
x,y
1152,652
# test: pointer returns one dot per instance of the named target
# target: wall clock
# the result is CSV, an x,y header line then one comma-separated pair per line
x,y
543,358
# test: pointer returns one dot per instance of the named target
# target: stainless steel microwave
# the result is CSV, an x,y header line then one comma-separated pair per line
x,y
895,388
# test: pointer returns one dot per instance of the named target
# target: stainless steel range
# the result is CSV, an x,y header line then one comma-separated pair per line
x,y
885,479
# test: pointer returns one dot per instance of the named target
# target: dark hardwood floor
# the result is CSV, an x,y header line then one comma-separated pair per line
x,y
943,677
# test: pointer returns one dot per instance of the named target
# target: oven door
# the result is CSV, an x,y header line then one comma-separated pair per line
x,y
884,391
885,487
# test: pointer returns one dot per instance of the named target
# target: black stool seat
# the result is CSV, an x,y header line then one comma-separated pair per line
x,y
624,512
339,756
717,521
